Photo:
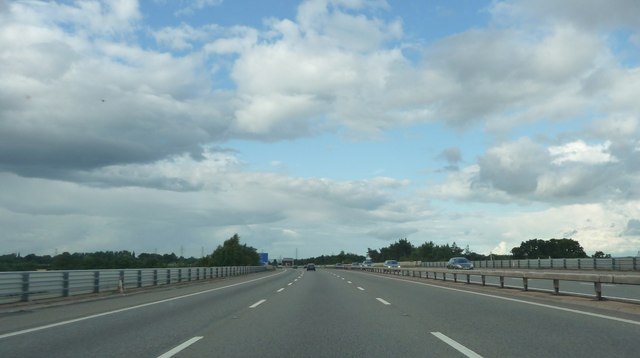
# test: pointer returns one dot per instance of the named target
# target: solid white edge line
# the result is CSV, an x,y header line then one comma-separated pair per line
x,y
29,330
597,315
179,348
257,303
459,347
382,301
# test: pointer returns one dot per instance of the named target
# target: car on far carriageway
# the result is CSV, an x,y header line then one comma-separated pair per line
x,y
391,264
311,267
460,263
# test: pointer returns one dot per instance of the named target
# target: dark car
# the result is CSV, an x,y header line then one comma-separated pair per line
x,y
461,263
311,267
391,264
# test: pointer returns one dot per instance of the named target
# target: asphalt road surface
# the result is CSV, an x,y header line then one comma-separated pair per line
x,y
323,313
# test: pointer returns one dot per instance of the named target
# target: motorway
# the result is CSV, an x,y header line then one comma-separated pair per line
x,y
324,313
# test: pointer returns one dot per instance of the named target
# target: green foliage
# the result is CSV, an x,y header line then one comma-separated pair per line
x,y
342,257
231,253
601,255
554,248
403,250
92,261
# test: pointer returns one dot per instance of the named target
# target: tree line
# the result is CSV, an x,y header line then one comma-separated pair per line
x,y
403,250
233,253
92,260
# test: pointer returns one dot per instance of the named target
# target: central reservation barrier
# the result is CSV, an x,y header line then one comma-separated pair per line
x,y
597,278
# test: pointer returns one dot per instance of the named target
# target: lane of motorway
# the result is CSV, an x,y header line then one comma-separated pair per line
x,y
322,313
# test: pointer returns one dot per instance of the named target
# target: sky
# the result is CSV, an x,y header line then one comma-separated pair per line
x,y
318,126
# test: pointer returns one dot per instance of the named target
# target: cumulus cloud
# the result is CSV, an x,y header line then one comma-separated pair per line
x,y
633,228
107,138
514,167
452,156
589,15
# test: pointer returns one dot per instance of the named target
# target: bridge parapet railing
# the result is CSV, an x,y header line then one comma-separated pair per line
x,y
24,286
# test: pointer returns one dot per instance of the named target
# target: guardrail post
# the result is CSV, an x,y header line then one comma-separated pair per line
x,y
180,275
455,277
556,286
25,287
564,263
501,281
65,284
579,264
598,288
468,278
525,283
140,278
155,278
189,274
96,281
613,264
121,282
634,264
484,280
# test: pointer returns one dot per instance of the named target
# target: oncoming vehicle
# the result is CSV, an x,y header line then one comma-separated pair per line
x,y
391,264
366,264
311,267
461,263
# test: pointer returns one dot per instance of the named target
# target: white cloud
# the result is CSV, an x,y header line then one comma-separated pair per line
x,y
104,137
196,5
580,152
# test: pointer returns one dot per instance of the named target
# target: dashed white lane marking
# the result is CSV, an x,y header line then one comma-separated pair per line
x,y
459,347
349,282
52,325
179,348
280,290
590,314
290,283
257,303
382,301
360,288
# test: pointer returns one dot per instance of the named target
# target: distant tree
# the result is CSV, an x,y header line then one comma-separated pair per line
x,y
374,255
400,250
553,248
231,253
601,255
